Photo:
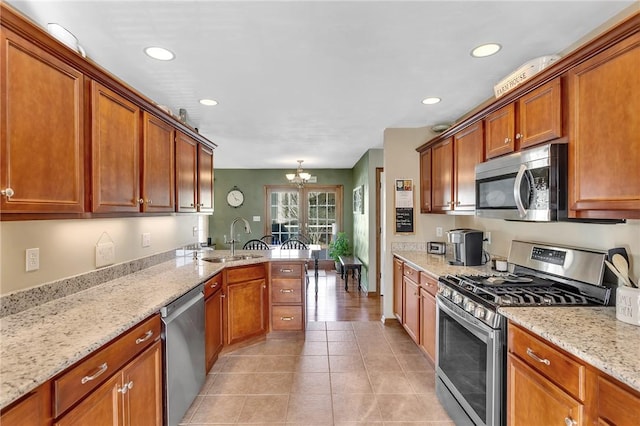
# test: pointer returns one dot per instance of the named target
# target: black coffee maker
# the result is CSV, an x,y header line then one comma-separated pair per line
x,y
464,247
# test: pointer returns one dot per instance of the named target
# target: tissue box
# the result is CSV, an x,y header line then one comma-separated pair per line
x,y
628,305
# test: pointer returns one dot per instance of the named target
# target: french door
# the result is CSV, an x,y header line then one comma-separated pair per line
x,y
314,211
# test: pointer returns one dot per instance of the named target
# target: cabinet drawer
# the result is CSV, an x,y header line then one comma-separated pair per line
x,y
86,375
213,285
286,290
411,273
428,283
616,405
286,270
550,362
245,273
287,318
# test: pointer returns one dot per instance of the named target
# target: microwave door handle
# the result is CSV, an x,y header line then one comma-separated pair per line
x,y
517,195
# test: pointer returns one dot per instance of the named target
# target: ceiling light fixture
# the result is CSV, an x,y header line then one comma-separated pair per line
x,y
159,53
300,177
485,50
208,102
431,101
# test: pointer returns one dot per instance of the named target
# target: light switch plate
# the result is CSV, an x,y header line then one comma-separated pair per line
x,y
256,218
105,254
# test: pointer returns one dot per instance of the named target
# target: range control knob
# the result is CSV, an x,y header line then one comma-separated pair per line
x,y
469,306
457,298
479,312
446,292
488,316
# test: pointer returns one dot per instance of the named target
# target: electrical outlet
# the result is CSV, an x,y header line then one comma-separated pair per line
x,y
195,231
146,239
105,254
438,231
32,259
487,237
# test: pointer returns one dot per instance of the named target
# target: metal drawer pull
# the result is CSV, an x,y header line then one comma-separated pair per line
x,y
286,318
533,355
286,290
101,370
146,337
214,285
125,388
286,270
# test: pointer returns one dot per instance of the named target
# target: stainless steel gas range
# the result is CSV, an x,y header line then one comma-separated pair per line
x,y
471,337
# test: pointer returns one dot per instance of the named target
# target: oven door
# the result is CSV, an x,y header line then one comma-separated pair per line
x,y
470,367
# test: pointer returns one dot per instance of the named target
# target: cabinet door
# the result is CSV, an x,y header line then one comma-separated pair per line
x,y
499,128
186,173
469,150
42,148
397,288
116,152
425,181
33,410
101,408
428,324
411,315
158,164
213,329
539,115
205,179
533,399
246,309
143,397
442,176
604,147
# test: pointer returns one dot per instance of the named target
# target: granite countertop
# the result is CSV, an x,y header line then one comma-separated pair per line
x,y
591,333
38,343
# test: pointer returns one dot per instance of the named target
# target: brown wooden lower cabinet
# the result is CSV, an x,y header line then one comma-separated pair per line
x,y
428,324
288,291
245,303
213,325
411,308
33,409
397,288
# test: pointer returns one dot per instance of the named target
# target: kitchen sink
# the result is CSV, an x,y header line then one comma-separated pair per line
x,y
223,259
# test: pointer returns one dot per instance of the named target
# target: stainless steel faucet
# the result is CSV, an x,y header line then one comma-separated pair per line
x,y
233,241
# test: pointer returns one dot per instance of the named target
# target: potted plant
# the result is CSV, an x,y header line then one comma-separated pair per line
x,y
339,247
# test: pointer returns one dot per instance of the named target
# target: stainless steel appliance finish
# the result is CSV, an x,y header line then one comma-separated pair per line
x,y
529,185
435,247
464,247
471,340
184,357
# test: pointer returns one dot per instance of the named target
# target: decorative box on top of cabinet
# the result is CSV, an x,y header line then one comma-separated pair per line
x,y
42,148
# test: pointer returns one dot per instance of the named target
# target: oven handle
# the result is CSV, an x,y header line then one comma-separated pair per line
x,y
516,190
484,332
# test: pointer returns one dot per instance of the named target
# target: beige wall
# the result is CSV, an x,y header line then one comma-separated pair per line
x,y
67,247
402,161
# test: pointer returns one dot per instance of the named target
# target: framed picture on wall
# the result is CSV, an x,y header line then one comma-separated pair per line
x,y
358,199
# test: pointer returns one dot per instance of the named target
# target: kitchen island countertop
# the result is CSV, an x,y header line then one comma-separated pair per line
x,y
41,342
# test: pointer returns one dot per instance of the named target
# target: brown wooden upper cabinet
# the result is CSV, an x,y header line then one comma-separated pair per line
x,y
158,157
453,170
604,133
42,148
115,152
194,175
205,179
532,119
425,181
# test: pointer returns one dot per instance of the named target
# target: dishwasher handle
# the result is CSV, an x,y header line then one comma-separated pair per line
x,y
170,312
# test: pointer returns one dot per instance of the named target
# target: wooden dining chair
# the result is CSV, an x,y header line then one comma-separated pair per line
x,y
256,245
294,244
271,240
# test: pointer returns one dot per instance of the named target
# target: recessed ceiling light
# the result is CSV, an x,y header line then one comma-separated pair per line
x,y
485,50
159,53
431,101
208,102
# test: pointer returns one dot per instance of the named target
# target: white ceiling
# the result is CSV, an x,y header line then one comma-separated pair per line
x,y
317,80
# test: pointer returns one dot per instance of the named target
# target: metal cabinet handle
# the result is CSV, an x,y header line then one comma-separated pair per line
x,y
223,295
7,192
101,370
286,318
191,205
149,201
214,284
533,355
568,421
140,201
519,135
146,337
286,270
507,140
125,387
286,290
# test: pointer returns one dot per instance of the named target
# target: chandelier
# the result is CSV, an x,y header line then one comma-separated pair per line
x,y
300,177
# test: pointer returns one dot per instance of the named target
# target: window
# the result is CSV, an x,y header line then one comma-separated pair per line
x,y
311,211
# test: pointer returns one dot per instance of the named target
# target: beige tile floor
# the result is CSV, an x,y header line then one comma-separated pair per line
x,y
338,373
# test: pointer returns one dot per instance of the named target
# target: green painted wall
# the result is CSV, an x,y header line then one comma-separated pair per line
x,y
360,239
252,183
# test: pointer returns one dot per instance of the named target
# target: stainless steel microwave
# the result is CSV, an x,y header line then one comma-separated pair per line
x,y
530,185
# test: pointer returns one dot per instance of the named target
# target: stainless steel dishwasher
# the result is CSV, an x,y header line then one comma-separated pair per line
x,y
184,358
